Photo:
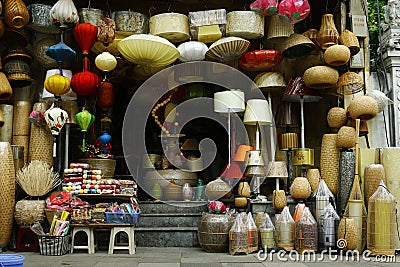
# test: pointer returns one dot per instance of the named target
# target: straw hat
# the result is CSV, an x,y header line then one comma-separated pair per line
x,y
337,55
363,107
297,45
321,77
349,83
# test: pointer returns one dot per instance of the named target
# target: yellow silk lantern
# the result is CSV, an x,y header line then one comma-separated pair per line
x,y
57,84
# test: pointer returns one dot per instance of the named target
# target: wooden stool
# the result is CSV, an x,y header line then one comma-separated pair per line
x,y
90,237
130,231
27,241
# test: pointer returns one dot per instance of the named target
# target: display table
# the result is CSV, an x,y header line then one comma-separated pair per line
x,y
89,229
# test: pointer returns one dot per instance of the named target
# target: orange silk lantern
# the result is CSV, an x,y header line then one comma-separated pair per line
x,y
86,36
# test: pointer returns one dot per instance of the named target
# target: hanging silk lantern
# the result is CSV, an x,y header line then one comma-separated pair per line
x,y
106,30
55,119
105,61
61,53
104,139
85,83
84,119
64,13
293,11
86,35
57,84
105,95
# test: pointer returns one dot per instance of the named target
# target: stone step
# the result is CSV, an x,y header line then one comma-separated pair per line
x,y
175,219
151,207
166,237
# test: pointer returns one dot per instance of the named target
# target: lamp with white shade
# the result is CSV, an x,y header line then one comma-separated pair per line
x,y
278,171
227,102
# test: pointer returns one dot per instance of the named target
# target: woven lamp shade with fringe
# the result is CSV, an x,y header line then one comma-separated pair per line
x,y
373,174
278,29
5,87
41,140
297,45
21,126
337,55
350,40
279,199
7,193
313,176
28,212
347,230
349,83
336,117
320,77
300,188
346,137
363,108
329,161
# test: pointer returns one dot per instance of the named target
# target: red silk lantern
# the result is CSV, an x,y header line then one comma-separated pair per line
x,y
293,11
260,60
105,95
86,36
85,83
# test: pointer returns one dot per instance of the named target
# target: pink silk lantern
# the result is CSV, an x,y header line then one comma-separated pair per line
x,y
85,83
293,11
265,7
86,36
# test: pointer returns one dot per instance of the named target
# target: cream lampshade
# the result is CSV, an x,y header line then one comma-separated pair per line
x,y
257,112
70,95
229,101
278,170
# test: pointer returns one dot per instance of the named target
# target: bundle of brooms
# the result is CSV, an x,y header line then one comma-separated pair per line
x,y
37,178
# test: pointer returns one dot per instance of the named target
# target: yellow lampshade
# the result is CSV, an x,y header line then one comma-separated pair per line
x,y
105,61
229,101
57,84
257,111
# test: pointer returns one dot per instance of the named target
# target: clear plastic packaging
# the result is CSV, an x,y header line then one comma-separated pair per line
x,y
327,232
267,233
238,237
285,230
306,233
252,233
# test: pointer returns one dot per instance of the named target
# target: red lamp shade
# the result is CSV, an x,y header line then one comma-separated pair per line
x,y
105,95
86,36
260,60
85,83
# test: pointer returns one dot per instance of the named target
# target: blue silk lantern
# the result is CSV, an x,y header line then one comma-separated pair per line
x,y
61,53
105,138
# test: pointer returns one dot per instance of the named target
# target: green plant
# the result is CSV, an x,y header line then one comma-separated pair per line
x,y
374,17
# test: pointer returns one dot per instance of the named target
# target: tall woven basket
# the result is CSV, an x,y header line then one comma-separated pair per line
x,y
373,174
7,193
41,140
329,162
21,126
348,231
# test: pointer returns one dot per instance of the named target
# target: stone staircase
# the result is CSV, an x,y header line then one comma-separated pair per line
x,y
169,225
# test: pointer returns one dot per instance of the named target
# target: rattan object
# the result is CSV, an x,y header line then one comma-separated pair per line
x,y
347,231
300,188
336,117
107,166
349,83
7,192
289,141
28,212
245,24
346,137
297,45
329,162
278,29
16,14
350,40
327,34
320,77
380,97
279,199
363,108
311,34
217,189
313,176
337,55
244,189
5,87
373,174
240,202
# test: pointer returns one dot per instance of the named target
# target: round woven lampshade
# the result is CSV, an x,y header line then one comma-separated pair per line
x,y
381,99
297,45
373,174
279,199
349,83
336,117
320,77
287,115
350,40
337,55
346,137
300,188
270,81
229,101
329,161
363,108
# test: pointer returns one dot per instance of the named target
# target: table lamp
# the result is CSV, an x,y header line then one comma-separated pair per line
x,y
278,170
227,102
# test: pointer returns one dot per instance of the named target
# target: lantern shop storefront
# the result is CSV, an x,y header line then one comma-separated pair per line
x,y
236,127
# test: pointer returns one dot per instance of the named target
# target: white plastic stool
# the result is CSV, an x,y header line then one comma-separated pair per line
x,y
90,236
130,231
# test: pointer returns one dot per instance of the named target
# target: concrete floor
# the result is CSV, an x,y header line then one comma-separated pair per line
x,y
184,257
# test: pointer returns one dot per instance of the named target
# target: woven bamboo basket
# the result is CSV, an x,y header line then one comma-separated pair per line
x,y
363,126
297,45
6,130
245,24
278,29
337,55
240,202
313,176
41,140
363,108
28,212
16,14
329,161
321,77
347,231
214,232
244,189
346,137
300,188
107,166
7,193
350,40
279,199
5,87
349,83
21,125
289,141
312,34
22,140
336,117
18,72
373,174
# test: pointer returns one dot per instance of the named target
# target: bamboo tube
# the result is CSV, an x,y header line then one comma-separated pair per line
x,y
382,224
